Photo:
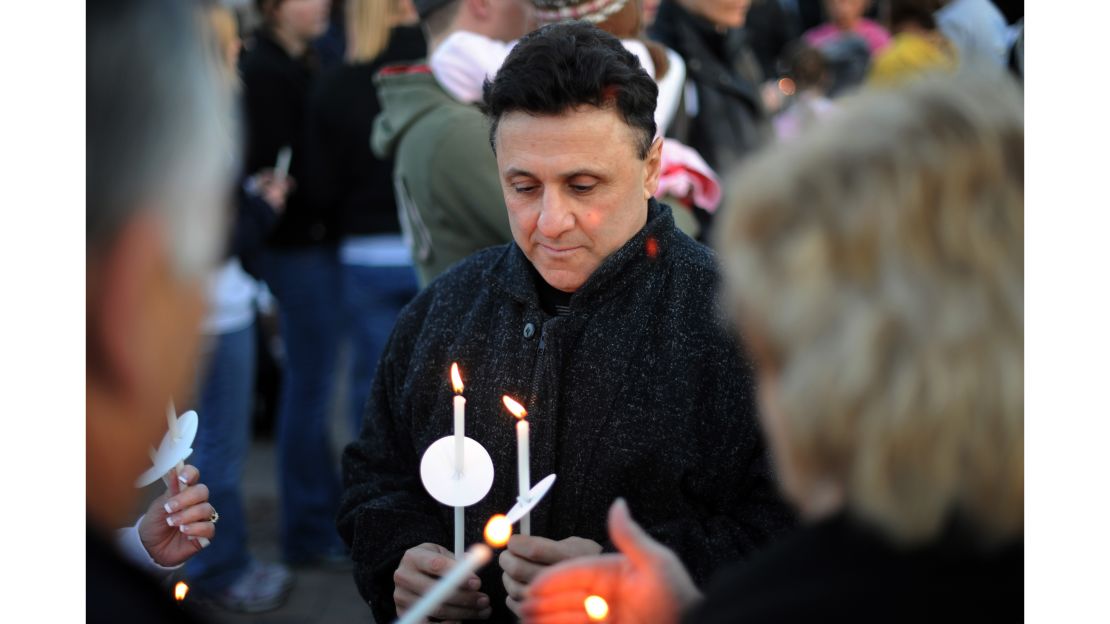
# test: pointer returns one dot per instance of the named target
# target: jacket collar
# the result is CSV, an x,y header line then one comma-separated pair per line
x,y
512,272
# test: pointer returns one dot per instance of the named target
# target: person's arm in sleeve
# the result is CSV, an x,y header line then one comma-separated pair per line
x,y
469,168
384,510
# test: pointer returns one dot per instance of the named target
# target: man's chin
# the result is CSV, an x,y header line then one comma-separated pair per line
x,y
562,279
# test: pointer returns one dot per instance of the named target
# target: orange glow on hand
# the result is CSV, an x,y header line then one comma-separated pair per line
x,y
180,591
596,608
515,408
456,378
498,531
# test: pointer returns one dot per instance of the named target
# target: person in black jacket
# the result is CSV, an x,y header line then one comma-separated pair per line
x,y
344,178
600,318
724,113
885,315
301,267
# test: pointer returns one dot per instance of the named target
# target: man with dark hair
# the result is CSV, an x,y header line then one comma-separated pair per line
x,y
601,318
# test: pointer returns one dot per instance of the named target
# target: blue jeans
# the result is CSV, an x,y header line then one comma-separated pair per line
x,y
307,285
219,451
373,296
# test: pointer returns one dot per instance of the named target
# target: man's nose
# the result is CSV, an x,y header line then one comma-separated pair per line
x,y
556,215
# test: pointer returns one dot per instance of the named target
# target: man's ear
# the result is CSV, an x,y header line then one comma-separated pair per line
x,y
481,9
652,168
124,277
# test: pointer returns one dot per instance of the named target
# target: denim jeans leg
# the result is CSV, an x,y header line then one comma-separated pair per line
x,y
307,286
374,296
219,451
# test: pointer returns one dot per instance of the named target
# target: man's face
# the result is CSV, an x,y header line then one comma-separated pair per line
x,y
575,188
143,338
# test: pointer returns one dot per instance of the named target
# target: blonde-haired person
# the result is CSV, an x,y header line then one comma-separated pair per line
x,y
876,267
344,178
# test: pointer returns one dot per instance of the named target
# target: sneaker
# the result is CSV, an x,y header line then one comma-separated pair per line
x,y
264,587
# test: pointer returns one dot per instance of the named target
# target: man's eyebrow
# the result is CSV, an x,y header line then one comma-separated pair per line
x,y
514,171
581,172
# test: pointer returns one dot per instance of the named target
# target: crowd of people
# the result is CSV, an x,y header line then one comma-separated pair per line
x,y
754,268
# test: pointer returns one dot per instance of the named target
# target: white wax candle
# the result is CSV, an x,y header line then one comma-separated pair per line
x,y
171,420
522,472
476,557
460,432
460,527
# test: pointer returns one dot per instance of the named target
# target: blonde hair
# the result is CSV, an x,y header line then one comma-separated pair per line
x,y
368,26
880,261
222,32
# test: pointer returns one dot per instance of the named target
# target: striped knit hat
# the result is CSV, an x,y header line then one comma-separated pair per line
x,y
593,11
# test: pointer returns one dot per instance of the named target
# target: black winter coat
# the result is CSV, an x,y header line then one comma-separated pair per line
x,y
726,120
638,392
840,570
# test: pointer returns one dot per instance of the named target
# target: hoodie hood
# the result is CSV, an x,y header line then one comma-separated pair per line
x,y
406,93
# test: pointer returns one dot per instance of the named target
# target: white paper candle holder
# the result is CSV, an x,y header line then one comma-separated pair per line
x,y
172,451
445,484
524,507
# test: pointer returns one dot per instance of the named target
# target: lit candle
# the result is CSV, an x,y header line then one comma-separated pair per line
x,y
460,417
476,557
180,591
524,481
498,531
596,608
460,435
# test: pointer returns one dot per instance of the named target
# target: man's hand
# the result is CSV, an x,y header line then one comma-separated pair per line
x,y
527,556
646,583
420,568
168,542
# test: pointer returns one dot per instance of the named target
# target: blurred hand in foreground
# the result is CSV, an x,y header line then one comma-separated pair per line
x,y
645,583
526,556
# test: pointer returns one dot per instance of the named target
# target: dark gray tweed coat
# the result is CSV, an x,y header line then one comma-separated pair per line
x,y
639,392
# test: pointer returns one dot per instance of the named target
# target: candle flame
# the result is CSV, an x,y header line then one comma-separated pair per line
x,y
456,378
596,608
498,531
180,590
515,408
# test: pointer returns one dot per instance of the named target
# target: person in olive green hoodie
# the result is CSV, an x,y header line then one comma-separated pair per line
x,y
445,176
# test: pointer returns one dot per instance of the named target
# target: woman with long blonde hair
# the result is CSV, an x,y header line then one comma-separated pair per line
x,y
346,180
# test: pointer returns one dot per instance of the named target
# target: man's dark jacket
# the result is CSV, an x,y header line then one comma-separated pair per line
x,y
730,120
638,392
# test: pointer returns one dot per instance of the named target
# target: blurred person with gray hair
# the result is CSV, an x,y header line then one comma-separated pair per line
x,y
876,266
158,173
